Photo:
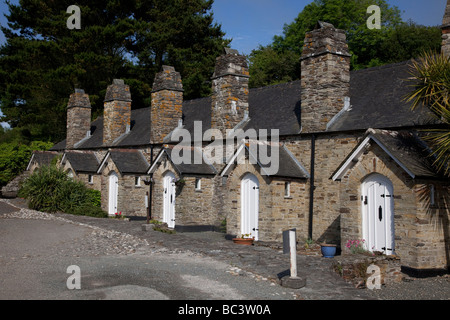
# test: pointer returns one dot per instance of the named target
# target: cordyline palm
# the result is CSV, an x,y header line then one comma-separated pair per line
x,y
431,74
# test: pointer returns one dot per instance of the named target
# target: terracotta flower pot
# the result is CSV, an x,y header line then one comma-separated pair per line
x,y
244,241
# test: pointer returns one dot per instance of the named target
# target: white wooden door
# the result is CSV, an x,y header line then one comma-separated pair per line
x,y
113,193
378,214
250,205
169,200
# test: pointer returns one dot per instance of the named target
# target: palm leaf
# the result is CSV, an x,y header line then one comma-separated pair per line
x,y
431,87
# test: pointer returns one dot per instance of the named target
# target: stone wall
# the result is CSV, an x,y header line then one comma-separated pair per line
x,y
330,151
131,198
194,207
354,269
230,91
325,76
117,111
277,213
78,118
432,227
232,202
167,101
421,233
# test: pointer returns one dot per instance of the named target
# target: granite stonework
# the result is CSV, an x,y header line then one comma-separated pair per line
x,y
325,76
78,118
230,91
117,111
167,101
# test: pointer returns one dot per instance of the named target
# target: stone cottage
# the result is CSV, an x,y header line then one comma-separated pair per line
x,y
336,155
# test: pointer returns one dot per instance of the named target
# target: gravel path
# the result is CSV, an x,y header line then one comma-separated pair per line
x,y
434,288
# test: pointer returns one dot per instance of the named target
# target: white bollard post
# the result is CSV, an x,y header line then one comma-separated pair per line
x,y
294,281
293,251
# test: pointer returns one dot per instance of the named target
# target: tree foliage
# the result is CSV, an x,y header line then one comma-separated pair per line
x,y
431,81
396,40
15,157
43,61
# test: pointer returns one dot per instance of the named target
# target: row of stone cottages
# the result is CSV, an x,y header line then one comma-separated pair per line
x,y
350,162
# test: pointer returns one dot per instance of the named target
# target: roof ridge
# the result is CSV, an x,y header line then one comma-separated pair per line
x,y
275,85
384,66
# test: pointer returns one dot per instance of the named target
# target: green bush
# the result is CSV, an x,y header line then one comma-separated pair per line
x,y
95,197
43,189
14,158
49,189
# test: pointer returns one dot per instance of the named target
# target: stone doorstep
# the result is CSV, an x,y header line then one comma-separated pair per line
x,y
147,227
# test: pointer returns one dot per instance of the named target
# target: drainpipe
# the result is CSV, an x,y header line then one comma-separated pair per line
x,y
311,187
149,213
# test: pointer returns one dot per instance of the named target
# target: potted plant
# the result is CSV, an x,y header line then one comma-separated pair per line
x,y
244,239
180,182
328,250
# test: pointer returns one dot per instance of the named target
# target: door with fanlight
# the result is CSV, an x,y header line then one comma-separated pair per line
x,y
378,214
169,200
250,205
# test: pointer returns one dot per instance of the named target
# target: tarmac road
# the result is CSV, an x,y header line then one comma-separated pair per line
x,y
35,255
118,260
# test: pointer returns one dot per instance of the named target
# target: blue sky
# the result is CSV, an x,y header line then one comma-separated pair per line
x,y
254,22
251,23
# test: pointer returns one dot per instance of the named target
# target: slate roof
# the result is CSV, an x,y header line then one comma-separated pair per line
x,y
410,150
42,158
82,161
376,102
288,166
404,147
127,161
191,167
139,134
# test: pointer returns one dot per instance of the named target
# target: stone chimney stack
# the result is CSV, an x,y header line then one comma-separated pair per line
x,y
167,103
117,111
78,118
229,91
325,76
446,31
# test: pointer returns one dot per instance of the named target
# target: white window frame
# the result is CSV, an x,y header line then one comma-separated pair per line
x,y
198,184
137,181
287,189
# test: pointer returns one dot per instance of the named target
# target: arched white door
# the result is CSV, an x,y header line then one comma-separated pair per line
x,y
250,205
113,193
378,214
169,200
